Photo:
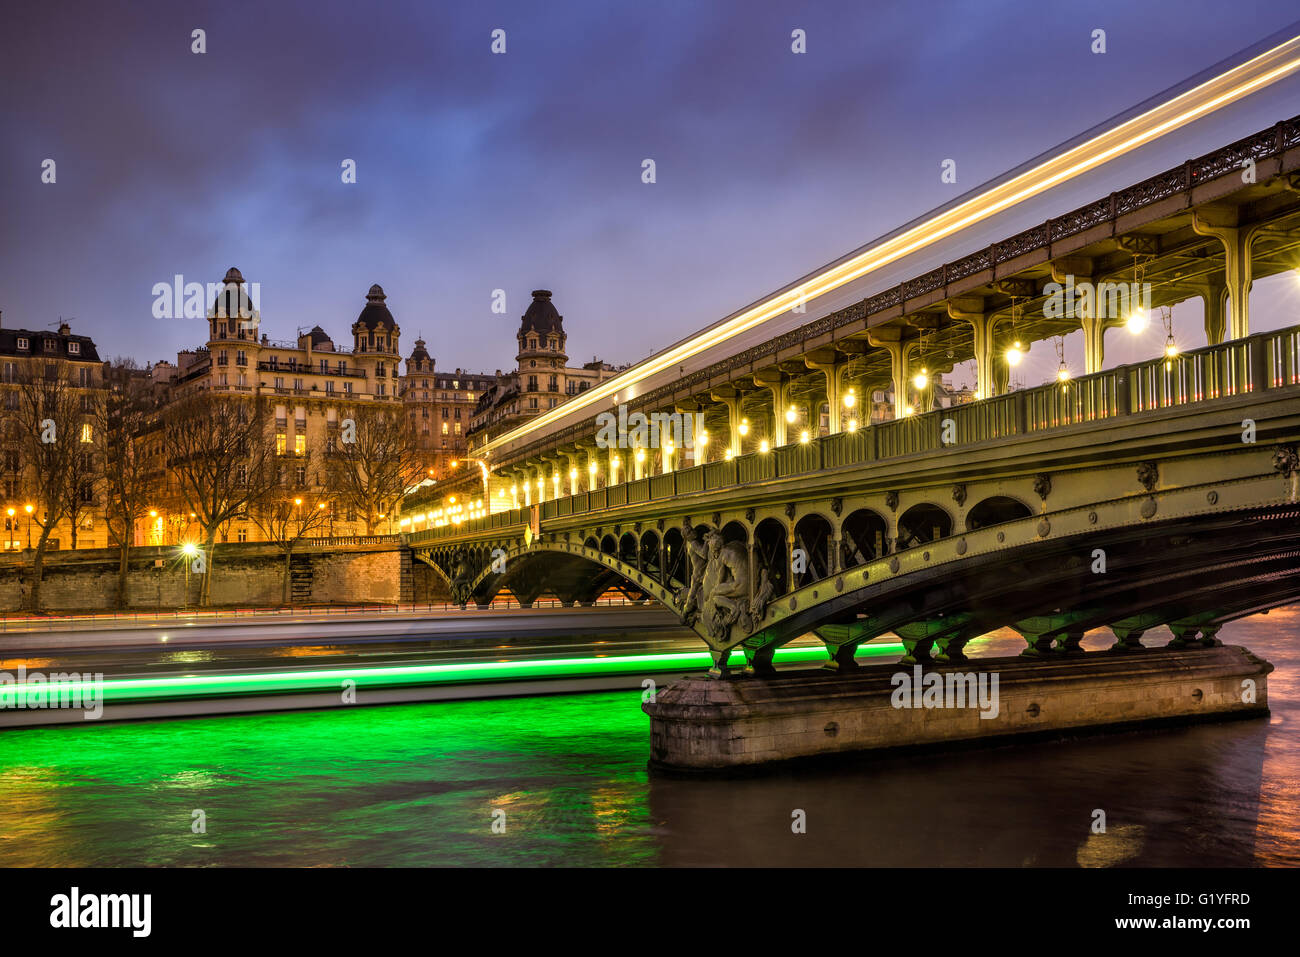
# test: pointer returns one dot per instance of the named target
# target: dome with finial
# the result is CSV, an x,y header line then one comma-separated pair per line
x,y
541,316
375,311
419,353
232,300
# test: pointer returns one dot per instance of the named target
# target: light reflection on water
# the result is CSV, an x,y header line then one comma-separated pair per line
x,y
419,785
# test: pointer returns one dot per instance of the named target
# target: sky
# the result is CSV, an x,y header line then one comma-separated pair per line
x,y
478,171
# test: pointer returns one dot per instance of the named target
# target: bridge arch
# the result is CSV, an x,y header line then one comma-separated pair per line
x,y
772,553
676,568
812,534
650,554
735,531
995,510
572,573
609,545
864,536
628,547
922,523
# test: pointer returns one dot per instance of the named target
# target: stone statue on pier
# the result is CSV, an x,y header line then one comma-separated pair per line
x,y
697,557
726,587
718,587
462,578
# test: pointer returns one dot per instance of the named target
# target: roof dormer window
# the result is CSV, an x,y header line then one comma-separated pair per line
x,y
23,343
74,348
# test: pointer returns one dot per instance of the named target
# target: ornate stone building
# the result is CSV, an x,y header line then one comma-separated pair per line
x,y
22,352
542,378
309,383
439,407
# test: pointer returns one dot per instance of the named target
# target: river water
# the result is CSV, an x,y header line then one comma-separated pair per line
x,y
564,781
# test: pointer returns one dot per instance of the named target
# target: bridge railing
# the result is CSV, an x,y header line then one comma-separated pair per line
x,y
1282,357
689,480
1099,396
1268,360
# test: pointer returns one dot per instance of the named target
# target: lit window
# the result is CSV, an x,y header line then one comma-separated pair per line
x,y
87,433
280,443
300,444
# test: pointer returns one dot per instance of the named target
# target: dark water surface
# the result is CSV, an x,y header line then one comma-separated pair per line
x,y
420,784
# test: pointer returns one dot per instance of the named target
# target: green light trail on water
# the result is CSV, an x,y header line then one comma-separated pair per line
x,y
123,690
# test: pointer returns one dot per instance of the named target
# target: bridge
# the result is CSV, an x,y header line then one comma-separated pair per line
x,y
1161,493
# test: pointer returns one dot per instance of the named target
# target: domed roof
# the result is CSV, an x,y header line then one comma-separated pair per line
x,y
375,311
232,300
419,352
319,335
541,316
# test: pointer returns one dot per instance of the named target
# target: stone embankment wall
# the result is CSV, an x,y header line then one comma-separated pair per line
x,y
244,575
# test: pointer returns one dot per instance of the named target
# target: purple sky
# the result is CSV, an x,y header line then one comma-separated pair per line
x,y
478,171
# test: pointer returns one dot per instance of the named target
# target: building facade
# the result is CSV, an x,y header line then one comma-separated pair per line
x,y
309,384
24,353
439,408
542,377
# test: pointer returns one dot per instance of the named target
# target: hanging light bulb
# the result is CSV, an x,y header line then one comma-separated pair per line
x,y
1062,373
853,425
744,427
729,455
921,379
1137,320
704,440
804,437
1015,353
850,399
763,446
908,410
790,415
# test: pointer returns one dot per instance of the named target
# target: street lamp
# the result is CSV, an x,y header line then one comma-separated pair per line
x,y
29,509
188,550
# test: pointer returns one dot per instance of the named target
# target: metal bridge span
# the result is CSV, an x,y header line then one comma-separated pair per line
x,y
1161,493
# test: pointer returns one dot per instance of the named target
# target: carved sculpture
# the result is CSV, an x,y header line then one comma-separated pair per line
x,y
1148,474
1286,460
718,589
726,587
462,578
697,557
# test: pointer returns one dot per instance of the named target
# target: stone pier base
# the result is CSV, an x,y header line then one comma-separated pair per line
x,y
703,723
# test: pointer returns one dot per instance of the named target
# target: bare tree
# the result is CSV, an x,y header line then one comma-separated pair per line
x,y
49,423
122,418
372,462
220,460
79,490
286,515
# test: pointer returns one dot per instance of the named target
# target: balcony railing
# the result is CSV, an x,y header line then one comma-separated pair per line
x,y
1258,363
